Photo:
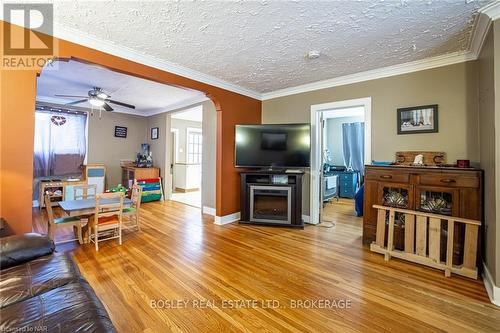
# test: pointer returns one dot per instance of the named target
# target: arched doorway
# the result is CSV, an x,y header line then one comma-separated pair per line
x,y
18,104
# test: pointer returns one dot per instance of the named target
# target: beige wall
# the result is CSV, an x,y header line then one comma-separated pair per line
x,y
158,146
487,148
104,148
496,38
453,88
208,168
162,148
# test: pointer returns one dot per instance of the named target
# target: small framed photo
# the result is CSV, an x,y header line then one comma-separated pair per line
x,y
418,119
120,132
154,133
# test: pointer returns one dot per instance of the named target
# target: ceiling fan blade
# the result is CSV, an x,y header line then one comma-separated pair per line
x,y
106,107
120,103
77,102
71,96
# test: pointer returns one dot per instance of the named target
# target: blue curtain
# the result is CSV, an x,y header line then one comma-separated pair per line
x,y
353,136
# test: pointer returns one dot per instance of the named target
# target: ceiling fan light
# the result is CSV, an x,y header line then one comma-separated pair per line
x,y
96,101
102,95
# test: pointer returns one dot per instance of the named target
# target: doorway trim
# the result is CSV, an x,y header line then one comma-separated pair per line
x,y
316,129
173,150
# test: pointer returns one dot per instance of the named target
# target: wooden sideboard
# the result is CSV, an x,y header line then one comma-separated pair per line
x,y
446,191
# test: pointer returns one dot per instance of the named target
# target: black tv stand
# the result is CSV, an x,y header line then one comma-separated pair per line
x,y
272,198
281,170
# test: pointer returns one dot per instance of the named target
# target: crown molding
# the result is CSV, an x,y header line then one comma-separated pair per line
x,y
52,103
481,28
485,16
191,102
483,20
409,67
78,37
56,102
482,23
492,10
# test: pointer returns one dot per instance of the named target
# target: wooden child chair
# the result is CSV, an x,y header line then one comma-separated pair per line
x,y
132,212
107,218
54,223
81,192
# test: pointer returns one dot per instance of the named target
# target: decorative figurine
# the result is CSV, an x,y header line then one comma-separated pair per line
x,y
419,160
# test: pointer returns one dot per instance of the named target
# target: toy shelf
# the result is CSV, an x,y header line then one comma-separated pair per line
x,y
151,189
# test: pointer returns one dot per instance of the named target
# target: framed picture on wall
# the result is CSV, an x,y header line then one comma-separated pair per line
x,y
120,132
418,119
154,133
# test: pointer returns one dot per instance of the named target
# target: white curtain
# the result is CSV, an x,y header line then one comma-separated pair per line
x,y
60,145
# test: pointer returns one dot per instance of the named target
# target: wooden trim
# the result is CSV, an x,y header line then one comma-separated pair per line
x,y
444,217
434,239
459,270
186,190
390,234
427,234
470,246
380,237
421,246
409,232
449,248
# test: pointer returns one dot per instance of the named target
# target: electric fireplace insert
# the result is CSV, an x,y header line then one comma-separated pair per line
x,y
270,204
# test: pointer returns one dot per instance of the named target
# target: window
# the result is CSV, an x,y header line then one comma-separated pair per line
x,y
60,143
194,145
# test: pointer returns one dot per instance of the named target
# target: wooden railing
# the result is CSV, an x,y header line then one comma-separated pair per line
x,y
419,226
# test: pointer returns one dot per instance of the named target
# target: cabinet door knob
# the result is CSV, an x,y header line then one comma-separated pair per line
x,y
386,177
448,181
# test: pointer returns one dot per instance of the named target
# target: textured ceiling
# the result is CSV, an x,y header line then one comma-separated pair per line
x,y
76,78
262,45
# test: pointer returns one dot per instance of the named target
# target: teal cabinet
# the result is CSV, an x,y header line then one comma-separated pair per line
x,y
348,184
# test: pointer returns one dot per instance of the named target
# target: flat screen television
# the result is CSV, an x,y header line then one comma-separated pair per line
x,y
273,146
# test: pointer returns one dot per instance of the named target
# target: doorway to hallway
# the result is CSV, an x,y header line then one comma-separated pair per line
x,y
186,158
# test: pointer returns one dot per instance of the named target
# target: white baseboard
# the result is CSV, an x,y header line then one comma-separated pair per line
x,y
492,290
208,210
226,219
306,218
35,203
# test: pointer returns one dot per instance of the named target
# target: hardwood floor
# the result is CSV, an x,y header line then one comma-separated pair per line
x,y
181,256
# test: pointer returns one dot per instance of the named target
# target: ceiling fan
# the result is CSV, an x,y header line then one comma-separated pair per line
x,y
97,97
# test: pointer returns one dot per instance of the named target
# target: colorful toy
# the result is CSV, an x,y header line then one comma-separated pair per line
x,y
118,188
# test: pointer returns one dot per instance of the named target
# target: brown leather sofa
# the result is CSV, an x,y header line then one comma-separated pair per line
x,y
43,291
